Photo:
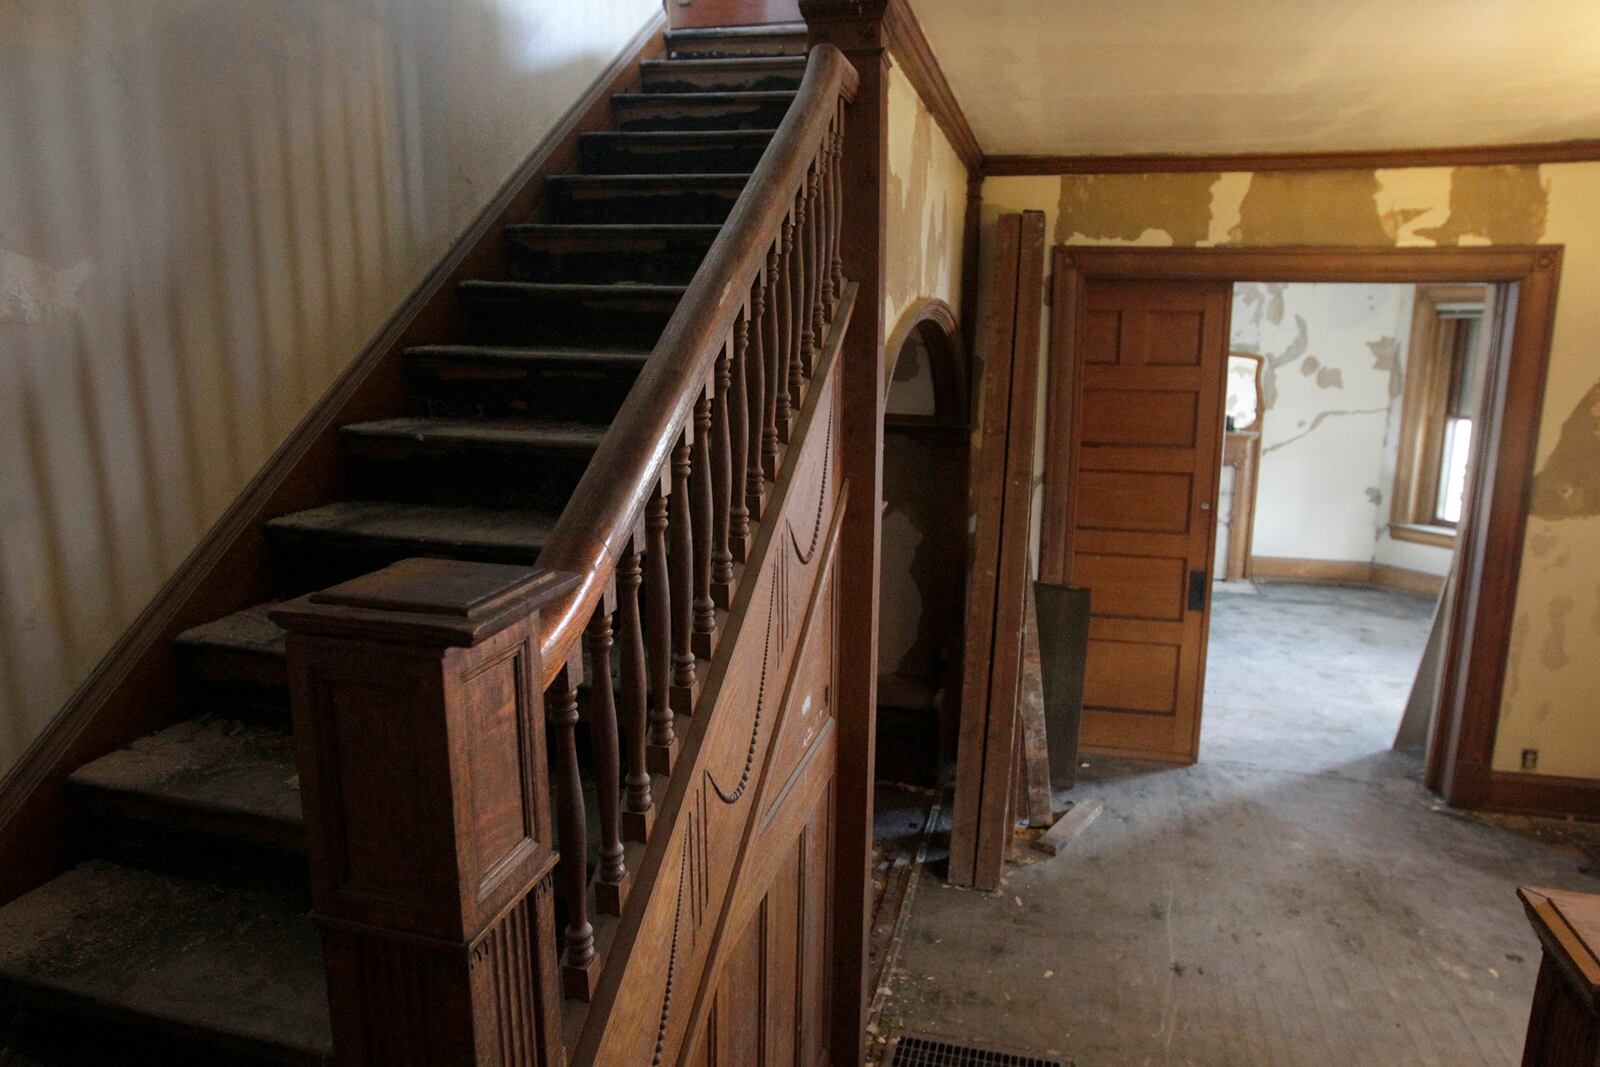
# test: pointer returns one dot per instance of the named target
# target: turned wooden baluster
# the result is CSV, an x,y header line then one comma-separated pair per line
x,y
825,247
818,216
738,412
579,967
755,367
785,321
805,341
663,744
772,361
638,808
836,261
721,478
611,879
680,562
702,499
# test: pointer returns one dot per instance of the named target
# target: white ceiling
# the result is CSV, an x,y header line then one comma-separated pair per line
x,y
1090,77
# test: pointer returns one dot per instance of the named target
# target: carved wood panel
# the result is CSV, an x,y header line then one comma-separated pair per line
x,y
760,742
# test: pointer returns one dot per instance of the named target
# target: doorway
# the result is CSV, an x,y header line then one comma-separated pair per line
x,y
1088,285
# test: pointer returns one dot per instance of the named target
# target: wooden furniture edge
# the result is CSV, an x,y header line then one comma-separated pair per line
x,y
1527,153
223,573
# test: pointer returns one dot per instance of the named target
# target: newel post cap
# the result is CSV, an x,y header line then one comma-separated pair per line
x,y
427,601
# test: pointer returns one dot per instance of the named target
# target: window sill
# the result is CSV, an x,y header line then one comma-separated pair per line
x,y
1422,534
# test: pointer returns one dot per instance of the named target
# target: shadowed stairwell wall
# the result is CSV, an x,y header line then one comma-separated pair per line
x,y
209,208
1554,668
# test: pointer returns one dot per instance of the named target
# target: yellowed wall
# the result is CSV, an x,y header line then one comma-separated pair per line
x,y
1552,698
208,209
926,212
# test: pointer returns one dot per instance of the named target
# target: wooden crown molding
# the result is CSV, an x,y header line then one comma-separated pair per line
x,y
1584,151
910,46
856,25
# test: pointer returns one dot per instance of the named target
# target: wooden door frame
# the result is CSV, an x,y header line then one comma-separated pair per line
x,y
1489,545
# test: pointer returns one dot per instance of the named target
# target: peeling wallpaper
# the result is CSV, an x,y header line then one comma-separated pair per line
x,y
208,209
1552,697
926,211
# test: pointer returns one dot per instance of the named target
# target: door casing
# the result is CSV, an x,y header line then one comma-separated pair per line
x,y
1489,544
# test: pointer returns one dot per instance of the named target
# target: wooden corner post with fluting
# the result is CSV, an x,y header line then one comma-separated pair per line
x,y
420,743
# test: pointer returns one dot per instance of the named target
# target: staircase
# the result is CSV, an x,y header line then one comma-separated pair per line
x,y
184,937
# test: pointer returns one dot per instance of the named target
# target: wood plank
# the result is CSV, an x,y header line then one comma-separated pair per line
x,y
1034,742
1070,826
988,478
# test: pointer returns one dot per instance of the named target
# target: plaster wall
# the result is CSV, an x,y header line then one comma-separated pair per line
x,y
924,226
1550,701
206,209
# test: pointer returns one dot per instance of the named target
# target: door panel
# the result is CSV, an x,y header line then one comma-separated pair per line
x,y
1144,457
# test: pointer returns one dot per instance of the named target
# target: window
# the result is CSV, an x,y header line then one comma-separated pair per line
x,y
1448,338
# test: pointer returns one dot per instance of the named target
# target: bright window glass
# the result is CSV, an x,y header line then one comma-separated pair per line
x,y
1453,469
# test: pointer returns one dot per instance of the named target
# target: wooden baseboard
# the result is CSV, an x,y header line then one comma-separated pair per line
x,y
1543,794
1344,572
134,688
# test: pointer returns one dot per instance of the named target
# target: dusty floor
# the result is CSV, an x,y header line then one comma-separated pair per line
x,y
1295,898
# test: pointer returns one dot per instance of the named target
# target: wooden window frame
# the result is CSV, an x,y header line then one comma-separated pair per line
x,y
1429,373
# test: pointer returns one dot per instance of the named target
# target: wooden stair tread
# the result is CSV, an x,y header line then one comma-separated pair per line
x,y
651,181
616,230
558,357
511,434
423,527
705,100
249,632
681,137
207,764
794,64
497,289
192,960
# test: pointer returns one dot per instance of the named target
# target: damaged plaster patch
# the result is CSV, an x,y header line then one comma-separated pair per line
x,y
1568,485
1386,357
1498,205
32,292
1324,207
1330,378
1110,207
1322,417
1374,495
1553,654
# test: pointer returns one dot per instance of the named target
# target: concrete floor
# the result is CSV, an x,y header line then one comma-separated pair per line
x,y
1295,898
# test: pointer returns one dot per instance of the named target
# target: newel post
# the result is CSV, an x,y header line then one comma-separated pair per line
x,y
861,29
419,737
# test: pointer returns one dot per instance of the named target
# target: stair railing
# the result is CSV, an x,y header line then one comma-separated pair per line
x,y
659,526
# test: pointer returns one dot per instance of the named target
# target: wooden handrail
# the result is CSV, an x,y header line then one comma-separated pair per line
x,y
604,512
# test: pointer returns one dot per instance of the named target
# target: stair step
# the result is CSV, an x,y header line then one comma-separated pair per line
x,y
701,111
663,254
673,151
786,39
239,660
500,463
622,314
115,965
736,74
648,198
186,795
485,380
330,544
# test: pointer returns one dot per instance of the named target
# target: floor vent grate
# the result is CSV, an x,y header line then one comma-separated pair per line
x,y
918,1050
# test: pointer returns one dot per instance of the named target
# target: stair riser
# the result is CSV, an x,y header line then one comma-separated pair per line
x,y
722,46
623,202
306,563
224,848
622,155
602,261
675,78
464,389
239,685
648,114
623,321
465,475
61,1030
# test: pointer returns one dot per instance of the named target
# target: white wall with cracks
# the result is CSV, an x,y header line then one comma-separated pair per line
x,y
1332,385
